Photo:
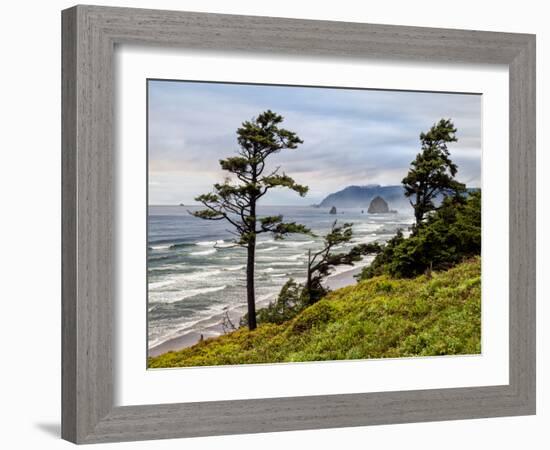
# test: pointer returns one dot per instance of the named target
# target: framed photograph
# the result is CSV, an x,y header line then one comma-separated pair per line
x,y
278,224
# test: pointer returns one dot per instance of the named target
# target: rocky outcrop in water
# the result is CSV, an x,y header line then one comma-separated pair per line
x,y
378,206
333,210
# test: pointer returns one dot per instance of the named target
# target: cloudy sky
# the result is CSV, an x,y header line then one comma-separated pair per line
x,y
351,137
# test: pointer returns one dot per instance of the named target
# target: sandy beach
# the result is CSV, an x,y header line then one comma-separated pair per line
x,y
343,279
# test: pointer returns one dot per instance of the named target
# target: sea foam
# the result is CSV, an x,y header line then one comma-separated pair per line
x,y
188,293
205,252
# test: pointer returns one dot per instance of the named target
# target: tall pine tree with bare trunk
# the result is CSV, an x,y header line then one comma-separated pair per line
x,y
236,199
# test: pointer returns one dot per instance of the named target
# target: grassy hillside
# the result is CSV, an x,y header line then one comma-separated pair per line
x,y
377,318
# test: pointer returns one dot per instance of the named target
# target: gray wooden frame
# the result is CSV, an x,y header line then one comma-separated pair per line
x,y
89,36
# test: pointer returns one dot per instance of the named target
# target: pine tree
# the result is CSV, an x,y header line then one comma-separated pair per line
x,y
236,199
432,172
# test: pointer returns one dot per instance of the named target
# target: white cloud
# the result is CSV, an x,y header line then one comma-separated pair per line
x,y
350,136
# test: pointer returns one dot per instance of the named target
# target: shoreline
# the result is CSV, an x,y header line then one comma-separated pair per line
x,y
212,326
345,278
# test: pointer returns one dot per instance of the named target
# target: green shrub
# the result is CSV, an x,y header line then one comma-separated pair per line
x,y
448,236
290,302
315,315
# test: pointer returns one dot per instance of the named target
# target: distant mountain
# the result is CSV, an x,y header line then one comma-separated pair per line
x,y
361,197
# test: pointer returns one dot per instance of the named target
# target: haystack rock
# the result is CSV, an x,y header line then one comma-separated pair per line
x,y
332,210
378,206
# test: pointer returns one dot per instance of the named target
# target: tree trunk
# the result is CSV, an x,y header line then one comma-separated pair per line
x,y
418,210
418,215
251,258
250,295
308,284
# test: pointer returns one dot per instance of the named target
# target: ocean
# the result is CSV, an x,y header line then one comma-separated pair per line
x,y
195,275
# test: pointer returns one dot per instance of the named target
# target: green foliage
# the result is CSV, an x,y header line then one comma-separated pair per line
x,y
285,181
235,199
280,230
321,263
289,303
447,237
384,258
377,318
313,318
264,133
432,172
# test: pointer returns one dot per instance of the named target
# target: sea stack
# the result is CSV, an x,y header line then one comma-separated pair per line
x,y
378,206
333,210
